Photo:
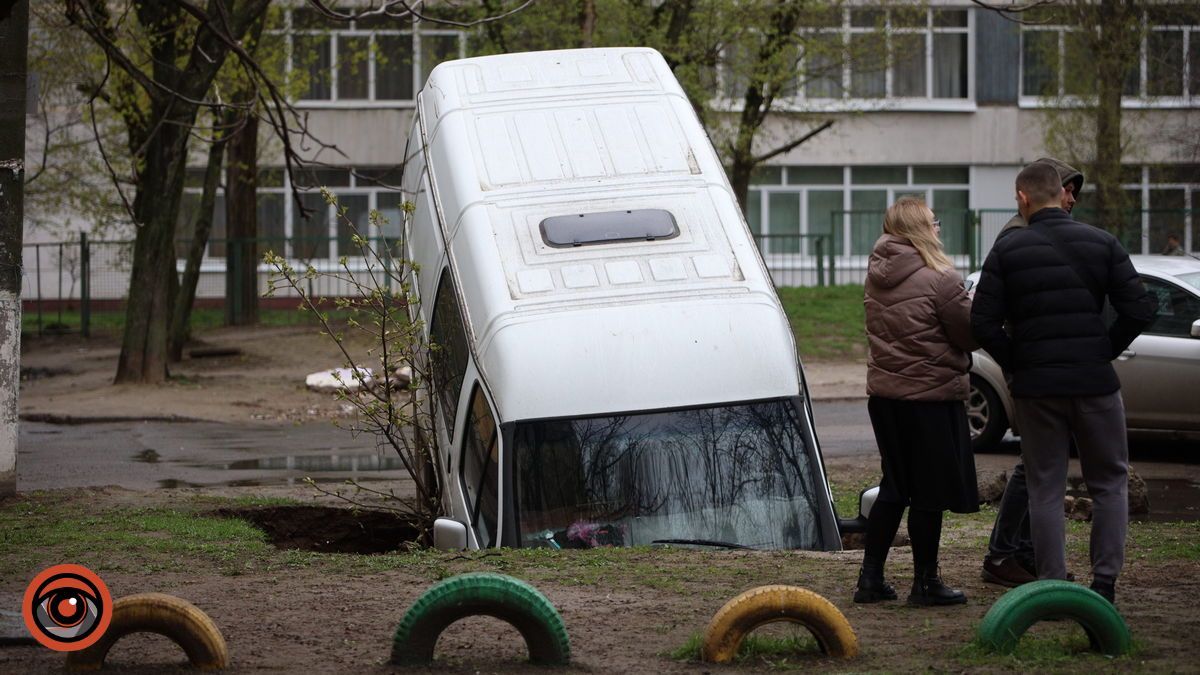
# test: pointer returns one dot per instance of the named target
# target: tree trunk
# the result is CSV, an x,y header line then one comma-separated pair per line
x,y
14,36
186,296
148,312
241,222
1116,44
587,23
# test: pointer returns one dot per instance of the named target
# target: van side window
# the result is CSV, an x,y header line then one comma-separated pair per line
x,y
481,467
448,351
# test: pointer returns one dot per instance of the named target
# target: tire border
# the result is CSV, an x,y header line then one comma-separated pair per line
x,y
481,594
777,602
172,617
1015,611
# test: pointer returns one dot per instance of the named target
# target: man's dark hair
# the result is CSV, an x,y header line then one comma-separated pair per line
x,y
1040,183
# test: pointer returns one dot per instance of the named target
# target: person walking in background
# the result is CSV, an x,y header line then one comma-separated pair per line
x,y
1174,246
1048,281
1009,560
918,325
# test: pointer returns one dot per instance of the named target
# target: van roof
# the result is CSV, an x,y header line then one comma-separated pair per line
x,y
676,321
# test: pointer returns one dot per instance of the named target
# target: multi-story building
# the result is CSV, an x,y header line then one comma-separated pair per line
x,y
955,103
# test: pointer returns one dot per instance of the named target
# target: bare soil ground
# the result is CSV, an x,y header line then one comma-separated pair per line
x,y
627,610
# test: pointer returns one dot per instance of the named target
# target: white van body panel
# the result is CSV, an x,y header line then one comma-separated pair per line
x,y
680,322
515,139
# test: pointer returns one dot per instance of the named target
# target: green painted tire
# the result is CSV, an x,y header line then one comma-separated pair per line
x,y
482,593
1020,608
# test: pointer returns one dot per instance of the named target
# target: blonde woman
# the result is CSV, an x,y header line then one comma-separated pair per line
x,y
919,328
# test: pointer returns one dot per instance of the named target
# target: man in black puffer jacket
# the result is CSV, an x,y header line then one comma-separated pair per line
x,y
1049,281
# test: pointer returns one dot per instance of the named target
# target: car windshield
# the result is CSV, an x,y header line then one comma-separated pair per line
x,y
729,476
1192,279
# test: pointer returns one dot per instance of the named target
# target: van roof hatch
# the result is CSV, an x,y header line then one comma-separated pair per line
x,y
608,227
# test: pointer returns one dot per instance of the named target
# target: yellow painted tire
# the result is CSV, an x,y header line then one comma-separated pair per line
x,y
175,618
767,604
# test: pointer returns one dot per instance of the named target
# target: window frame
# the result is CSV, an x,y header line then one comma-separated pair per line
x,y
351,30
287,190
800,101
1174,288
473,496
777,259
1187,99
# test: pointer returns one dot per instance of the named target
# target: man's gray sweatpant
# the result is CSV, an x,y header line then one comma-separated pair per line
x,y
1098,425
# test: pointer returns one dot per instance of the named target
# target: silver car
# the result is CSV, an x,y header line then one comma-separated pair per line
x,y
1160,371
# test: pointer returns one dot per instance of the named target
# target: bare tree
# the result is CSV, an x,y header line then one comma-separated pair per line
x,y
160,60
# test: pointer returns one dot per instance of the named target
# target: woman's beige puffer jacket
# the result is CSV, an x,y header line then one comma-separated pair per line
x,y
918,326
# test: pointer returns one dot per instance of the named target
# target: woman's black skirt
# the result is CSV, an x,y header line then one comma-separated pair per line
x,y
925,452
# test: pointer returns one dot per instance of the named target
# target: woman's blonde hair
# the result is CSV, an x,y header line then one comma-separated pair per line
x,y
911,219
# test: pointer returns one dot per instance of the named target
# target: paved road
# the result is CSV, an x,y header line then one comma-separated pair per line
x,y
147,455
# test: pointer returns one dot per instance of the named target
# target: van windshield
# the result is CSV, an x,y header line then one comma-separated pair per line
x,y
737,476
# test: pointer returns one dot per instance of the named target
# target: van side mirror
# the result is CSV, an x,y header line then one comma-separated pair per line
x,y
449,535
1196,328
866,500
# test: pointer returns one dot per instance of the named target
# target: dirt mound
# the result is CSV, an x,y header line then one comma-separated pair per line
x,y
329,530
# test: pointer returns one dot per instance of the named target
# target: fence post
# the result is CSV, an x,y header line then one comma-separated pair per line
x,y
85,286
820,240
832,270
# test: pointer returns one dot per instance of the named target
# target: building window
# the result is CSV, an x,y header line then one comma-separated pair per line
x,y
1161,200
925,54
791,208
371,59
1054,58
323,236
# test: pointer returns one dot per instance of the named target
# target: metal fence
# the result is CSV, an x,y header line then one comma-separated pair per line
x,y
74,285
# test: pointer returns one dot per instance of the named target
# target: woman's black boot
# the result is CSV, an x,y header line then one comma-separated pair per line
x,y
928,589
871,585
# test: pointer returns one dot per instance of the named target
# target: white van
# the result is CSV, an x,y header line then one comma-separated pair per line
x,y
614,365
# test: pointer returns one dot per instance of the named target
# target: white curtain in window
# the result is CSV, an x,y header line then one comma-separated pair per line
x,y
950,65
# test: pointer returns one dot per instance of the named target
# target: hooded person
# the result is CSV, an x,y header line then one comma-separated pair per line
x,y
1009,560
1072,182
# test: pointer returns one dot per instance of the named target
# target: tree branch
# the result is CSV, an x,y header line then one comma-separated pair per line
x,y
788,147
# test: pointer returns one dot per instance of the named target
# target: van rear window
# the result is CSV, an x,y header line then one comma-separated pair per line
x,y
608,227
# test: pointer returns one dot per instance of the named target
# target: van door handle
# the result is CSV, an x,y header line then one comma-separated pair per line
x,y
1126,355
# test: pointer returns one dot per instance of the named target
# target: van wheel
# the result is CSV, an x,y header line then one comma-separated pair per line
x,y
766,604
1020,608
181,621
482,593
985,416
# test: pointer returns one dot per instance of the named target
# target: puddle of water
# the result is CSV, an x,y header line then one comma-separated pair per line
x,y
277,480
319,463
1171,499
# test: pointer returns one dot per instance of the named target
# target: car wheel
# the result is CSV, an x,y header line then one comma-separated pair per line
x,y
985,416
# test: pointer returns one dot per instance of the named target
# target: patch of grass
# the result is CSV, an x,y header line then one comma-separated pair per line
x,y
1160,542
828,321
782,652
1055,646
